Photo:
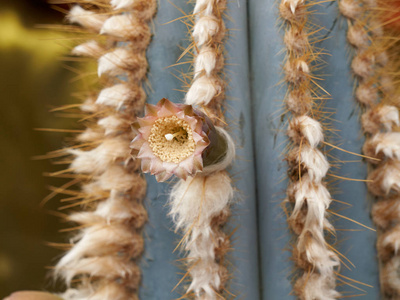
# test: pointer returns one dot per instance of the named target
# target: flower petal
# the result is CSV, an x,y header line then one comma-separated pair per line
x,y
156,166
163,176
145,165
150,110
145,152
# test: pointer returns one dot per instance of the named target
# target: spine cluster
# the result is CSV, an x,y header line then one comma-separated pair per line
x,y
200,205
374,65
102,261
307,194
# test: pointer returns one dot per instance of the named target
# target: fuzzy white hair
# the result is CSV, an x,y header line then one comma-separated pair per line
x,y
389,116
90,48
202,91
120,4
97,160
86,18
121,26
205,61
388,143
309,128
194,203
205,28
115,96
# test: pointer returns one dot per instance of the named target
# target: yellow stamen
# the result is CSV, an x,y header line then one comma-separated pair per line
x,y
171,139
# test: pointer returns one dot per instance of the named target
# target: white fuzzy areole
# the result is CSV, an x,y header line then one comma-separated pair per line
x,y
389,116
113,124
115,96
302,66
90,135
100,158
119,26
86,18
316,163
206,198
96,240
319,287
205,7
202,91
90,49
358,36
116,178
317,197
388,143
205,279
317,253
89,106
311,241
113,63
391,177
108,267
204,29
391,274
110,290
205,60
362,65
309,128
350,8
392,239
115,208
121,4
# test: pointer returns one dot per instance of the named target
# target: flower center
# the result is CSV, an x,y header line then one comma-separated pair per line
x,y
171,139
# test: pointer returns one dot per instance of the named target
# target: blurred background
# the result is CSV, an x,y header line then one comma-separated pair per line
x,y
33,80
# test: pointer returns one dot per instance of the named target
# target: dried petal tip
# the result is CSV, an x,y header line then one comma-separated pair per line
x,y
175,139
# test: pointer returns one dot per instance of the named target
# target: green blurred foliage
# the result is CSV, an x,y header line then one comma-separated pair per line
x,y
33,80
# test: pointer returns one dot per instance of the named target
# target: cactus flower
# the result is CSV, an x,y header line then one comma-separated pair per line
x,y
175,139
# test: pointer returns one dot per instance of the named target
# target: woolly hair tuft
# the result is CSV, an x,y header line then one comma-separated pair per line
x,y
102,262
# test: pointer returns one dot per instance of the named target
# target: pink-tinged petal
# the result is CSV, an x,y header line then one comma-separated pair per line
x,y
203,143
156,166
180,115
191,121
145,131
199,128
150,110
198,151
145,165
181,173
137,142
169,166
145,152
187,164
198,162
164,112
135,127
147,121
197,137
172,107
163,176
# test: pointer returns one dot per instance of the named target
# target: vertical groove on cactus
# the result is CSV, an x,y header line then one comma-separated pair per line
x,y
102,262
307,196
200,205
373,31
